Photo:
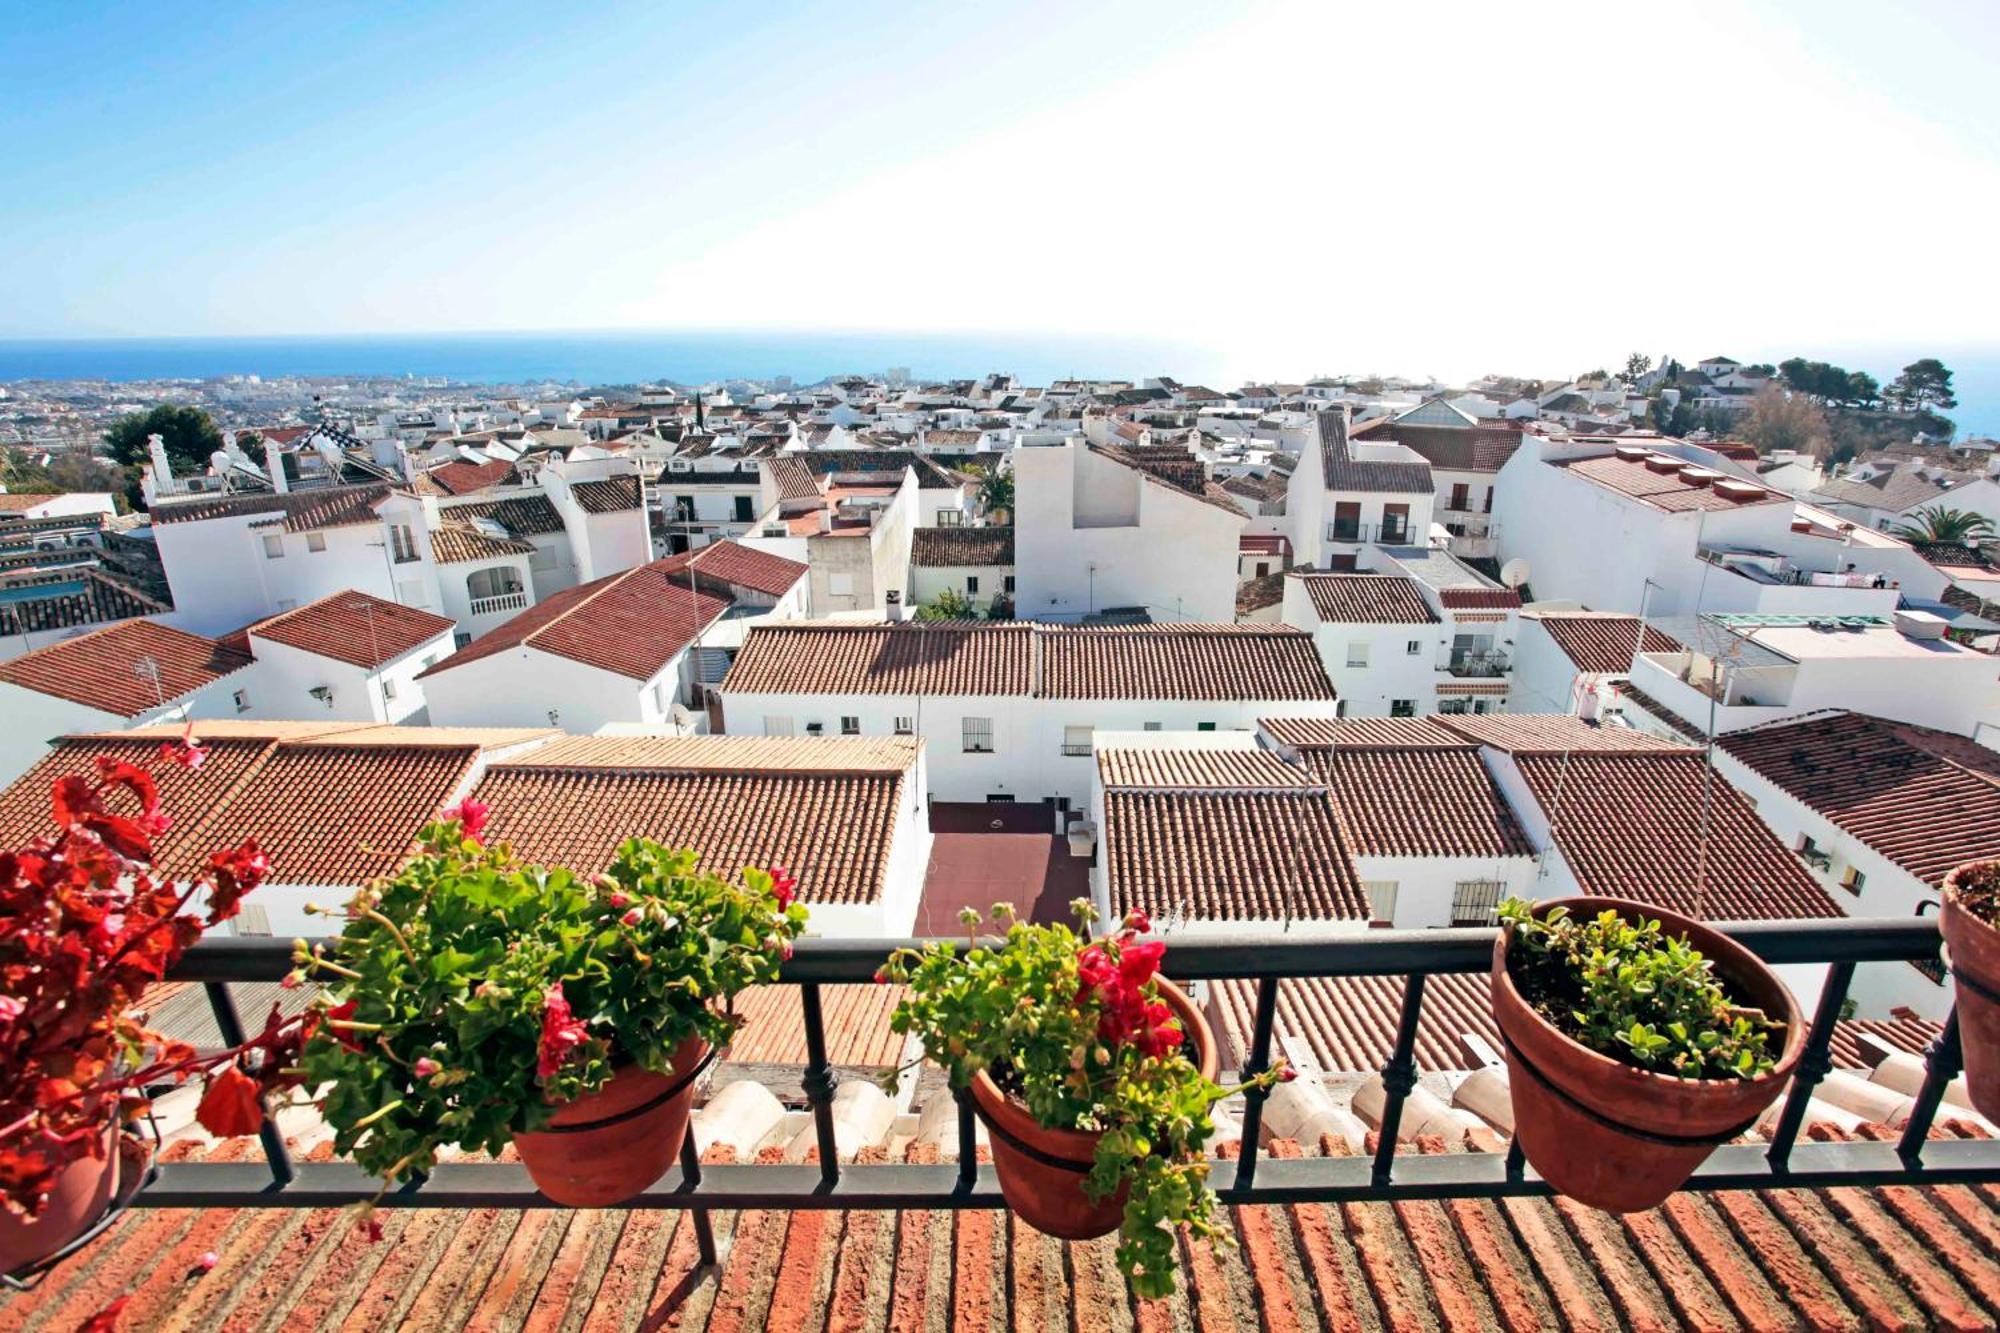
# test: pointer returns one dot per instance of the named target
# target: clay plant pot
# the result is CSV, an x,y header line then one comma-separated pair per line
x,y
610,1145
1614,1136
1974,948
82,1191
1050,1198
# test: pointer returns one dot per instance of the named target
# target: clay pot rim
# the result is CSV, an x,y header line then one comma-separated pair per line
x,y
1949,891
1080,1145
694,1049
1729,959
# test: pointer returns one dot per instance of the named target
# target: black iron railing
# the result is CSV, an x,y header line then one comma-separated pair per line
x,y
1914,1159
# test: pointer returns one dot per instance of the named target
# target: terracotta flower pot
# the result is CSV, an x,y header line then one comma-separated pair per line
x,y
82,1191
1609,1134
1974,946
1050,1198
609,1145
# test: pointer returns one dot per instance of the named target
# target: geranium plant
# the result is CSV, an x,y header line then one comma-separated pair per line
x,y
471,994
1634,993
1078,1031
86,925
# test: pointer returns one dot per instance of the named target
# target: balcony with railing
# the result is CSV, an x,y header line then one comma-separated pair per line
x,y
1480,666
506,601
1782,1160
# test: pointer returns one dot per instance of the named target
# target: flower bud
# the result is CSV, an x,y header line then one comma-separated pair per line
x,y
619,899
633,917
425,1066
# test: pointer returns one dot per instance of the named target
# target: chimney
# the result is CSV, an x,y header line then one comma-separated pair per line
x,y
274,462
163,468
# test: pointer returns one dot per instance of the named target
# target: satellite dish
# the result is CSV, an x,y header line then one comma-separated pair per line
x,y
219,462
1514,573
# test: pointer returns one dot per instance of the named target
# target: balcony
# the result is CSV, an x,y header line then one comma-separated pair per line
x,y
506,601
1482,666
1248,1178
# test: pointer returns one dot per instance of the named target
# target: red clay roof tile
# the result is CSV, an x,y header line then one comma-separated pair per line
x,y
1367,599
355,628
105,669
1600,642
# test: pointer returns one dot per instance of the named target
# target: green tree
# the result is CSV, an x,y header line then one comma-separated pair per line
x,y
1863,390
1637,364
951,604
996,489
188,432
1945,527
1781,420
1923,386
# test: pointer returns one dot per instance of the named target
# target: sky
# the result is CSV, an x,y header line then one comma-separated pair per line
x,y
1419,188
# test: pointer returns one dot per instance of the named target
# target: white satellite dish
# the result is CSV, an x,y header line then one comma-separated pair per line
x,y
1514,573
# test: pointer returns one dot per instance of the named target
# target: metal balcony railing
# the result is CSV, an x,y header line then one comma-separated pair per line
x,y
1474,664
1781,1162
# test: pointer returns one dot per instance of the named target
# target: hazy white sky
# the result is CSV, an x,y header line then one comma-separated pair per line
x,y
1434,187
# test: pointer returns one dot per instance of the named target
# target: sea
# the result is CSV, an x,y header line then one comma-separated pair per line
x,y
583,359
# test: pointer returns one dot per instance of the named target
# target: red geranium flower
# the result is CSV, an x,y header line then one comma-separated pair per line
x,y
232,1105
470,814
562,1032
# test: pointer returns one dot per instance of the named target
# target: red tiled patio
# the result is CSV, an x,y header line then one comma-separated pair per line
x,y
987,853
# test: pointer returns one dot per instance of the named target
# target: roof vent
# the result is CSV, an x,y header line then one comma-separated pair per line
x,y
1743,490
1920,625
1632,453
1661,463
1699,476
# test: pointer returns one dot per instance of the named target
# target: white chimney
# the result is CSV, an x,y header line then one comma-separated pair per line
x,y
1920,625
163,469
274,463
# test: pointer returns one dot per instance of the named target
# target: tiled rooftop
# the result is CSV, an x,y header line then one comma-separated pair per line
x,y
1350,733
1632,825
1422,801
71,599
1666,482
1449,448
744,566
1549,733
355,628
1198,770
458,543
1779,1260
607,495
631,624
521,515
1229,856
1341,471
298,511
1366,599
1925,799
1600,642
944,548
460,477
722,754
1200,662
103,669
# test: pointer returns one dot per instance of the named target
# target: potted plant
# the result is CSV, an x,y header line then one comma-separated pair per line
x,y
1636,1040
1971,925
85,927
1094,1076
476,1000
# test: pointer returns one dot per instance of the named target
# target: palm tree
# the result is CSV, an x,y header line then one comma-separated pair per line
x,y
1946,527
996,489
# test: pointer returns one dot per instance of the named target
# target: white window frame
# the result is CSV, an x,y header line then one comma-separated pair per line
x,y
315,541
970,732
1357,654
274,546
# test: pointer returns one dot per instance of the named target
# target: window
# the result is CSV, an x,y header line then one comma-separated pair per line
x,y
906,726
950,518
1454,705
1007,584
1461,497
1415,646
840,585
499,581
745,509
1852,880
460,638
388,689
684,509
777,726
976,735
402,542
242,700
1204,726
1076,741
815,728
1473,902
274,547
1263,568
1482,705
1152,726
1381,900
1812,854
1357,653
1395,523
972,583
315,541
1402,708
850,726
1489,500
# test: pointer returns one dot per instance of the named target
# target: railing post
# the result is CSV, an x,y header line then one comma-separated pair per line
x,y
968,1141
1253,1099
704,1233
1399,1076
1940,1069
1815,1063
819,1084
230,1024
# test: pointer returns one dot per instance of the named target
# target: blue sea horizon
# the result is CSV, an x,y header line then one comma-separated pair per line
x,y
588,358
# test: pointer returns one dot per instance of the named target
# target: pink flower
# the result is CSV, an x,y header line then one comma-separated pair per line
x,y
425,1066
11,1008
562,1032
783,887
470,814
208,1260
1287,1074
881,976
1138,922
620,899
633,917
292,981
184,753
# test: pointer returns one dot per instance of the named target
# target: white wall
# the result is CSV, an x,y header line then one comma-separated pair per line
x,y
29,720
520,687
926,582
286,676
1425,885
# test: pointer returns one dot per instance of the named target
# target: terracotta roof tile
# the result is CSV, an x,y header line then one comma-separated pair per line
x,y
833,831
1550,733
1259,593
1046,661
1601,642
521,515
1776,1259
1682,487
457,543
104,669
728,754
355,628
1341,471
856,1020
1925,799
1472,598
459,477
1351,733
1174,468
1631,826
935,548
744,566
1366,599
299,511
631,623
1423,801
1192,856
608,495
1197,770
1454,448
794,480
71,599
